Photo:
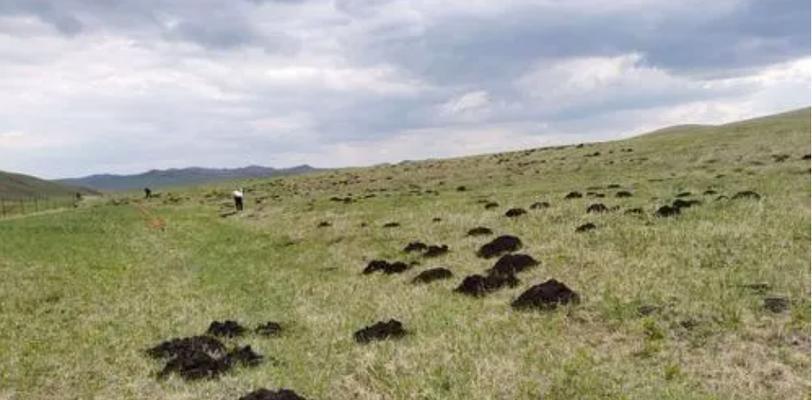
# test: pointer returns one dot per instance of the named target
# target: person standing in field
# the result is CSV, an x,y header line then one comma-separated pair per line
x,y
238,195
147,193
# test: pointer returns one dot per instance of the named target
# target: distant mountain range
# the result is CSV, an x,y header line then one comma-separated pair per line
x,y
19,186
180,177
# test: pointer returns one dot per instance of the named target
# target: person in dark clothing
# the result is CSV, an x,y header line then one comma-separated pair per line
x,y
238,197
147,193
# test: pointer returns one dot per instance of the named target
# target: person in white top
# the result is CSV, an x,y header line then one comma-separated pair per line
x,y
238,194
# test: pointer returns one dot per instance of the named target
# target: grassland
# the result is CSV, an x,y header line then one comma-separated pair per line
x,y
85,291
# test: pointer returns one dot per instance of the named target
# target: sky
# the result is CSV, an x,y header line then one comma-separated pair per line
x,y
102,86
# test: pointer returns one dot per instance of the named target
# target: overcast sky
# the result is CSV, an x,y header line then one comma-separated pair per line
x,y
93,86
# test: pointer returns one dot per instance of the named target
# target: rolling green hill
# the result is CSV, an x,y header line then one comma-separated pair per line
x,y
689,253
19,186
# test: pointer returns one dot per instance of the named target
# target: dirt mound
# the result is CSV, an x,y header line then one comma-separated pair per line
x,y
226,328
415,246
435,250
515,212
501,245
478,285
243,356
539,205
386,267
776,304
436,219
391,225
573,195
269,328
546,296
747,194
680,203
323,224
480,230
683,194
174,347
265,394
586,227
709,192
623,193
597,208
490,205
613,186
195,365
666,211
431,275
511,264
380,331
806,157
461,188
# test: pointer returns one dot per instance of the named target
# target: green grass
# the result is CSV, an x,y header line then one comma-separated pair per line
x,y
86,290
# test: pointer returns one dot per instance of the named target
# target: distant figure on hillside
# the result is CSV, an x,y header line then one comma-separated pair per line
x,y
238,194
147,193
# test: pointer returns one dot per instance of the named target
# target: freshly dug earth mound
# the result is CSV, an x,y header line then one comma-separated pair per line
x,y
680,203
539,205
546,296
666,211
683,194
511,264
515,212
387,268
415,246
597,208
585,227
709,192
244,356
623,193
391,225
776,304
174,347
573,195
747,194
226,329
478,285
265,394
490,205
380,331
323,224
269,328
435,251
195,365
480,230
501,245
431,275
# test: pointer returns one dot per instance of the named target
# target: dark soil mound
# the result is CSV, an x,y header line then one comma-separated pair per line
x,y
539,205
613,186
265,394
226,328
585,227
480,230
244,356
597,208
546,296
269,328
573,195
623,193
511,264
683,194
515,212
415,246
490,205
806,157
391,225
431,275
747,194
175,347
478,285
666,211
323,224
709,192
436,219
501,245
386,267
379,331
679,203
634,211
434,251
461,188
195,365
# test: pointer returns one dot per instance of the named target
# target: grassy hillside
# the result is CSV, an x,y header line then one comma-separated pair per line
x,y
18,186
670,307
